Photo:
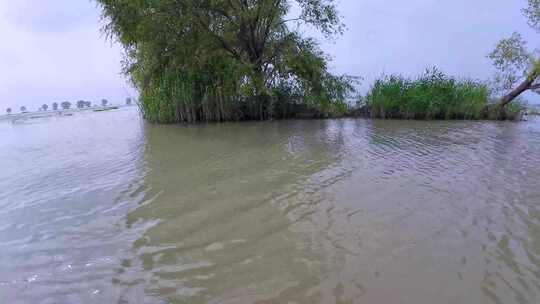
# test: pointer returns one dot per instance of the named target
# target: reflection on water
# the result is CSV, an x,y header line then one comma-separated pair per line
x,y
103,208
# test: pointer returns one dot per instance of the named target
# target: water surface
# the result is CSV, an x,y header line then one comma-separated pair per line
x,y
103,208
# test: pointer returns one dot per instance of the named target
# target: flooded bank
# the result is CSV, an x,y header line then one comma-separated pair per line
x,y
102,208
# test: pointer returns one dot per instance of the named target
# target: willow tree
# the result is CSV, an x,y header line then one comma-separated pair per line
x,y
519,67
196,60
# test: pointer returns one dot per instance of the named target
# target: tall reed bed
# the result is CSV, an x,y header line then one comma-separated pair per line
x,y
216,95
432,95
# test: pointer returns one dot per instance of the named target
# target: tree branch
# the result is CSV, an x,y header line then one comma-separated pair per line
x,y
535,87
289,20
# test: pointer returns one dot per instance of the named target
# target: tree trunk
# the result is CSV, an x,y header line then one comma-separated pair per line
x,y
501,113
524,86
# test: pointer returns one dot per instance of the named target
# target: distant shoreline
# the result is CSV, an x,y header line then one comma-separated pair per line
x,y
63,112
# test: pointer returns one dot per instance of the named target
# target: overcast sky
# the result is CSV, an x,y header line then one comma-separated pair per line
x,y
53,50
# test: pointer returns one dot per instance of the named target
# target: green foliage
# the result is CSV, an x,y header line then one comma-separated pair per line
x,y
532,12
513,62
514,109
216,60
433,95
518,68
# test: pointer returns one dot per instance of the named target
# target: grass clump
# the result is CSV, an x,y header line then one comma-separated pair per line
x,y
432,95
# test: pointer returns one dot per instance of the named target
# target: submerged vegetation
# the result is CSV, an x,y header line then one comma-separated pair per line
x,y
222,60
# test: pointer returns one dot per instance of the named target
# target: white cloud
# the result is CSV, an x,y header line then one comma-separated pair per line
x,y
43,65
53,50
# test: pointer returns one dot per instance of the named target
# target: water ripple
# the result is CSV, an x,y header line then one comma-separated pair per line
x,y
109,209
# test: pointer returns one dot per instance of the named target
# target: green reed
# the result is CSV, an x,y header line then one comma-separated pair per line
x,y
432,95
215,95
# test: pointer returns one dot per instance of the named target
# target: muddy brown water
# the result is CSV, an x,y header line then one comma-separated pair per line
x,y
103,208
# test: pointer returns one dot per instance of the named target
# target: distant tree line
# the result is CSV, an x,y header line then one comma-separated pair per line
x,y
66,105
